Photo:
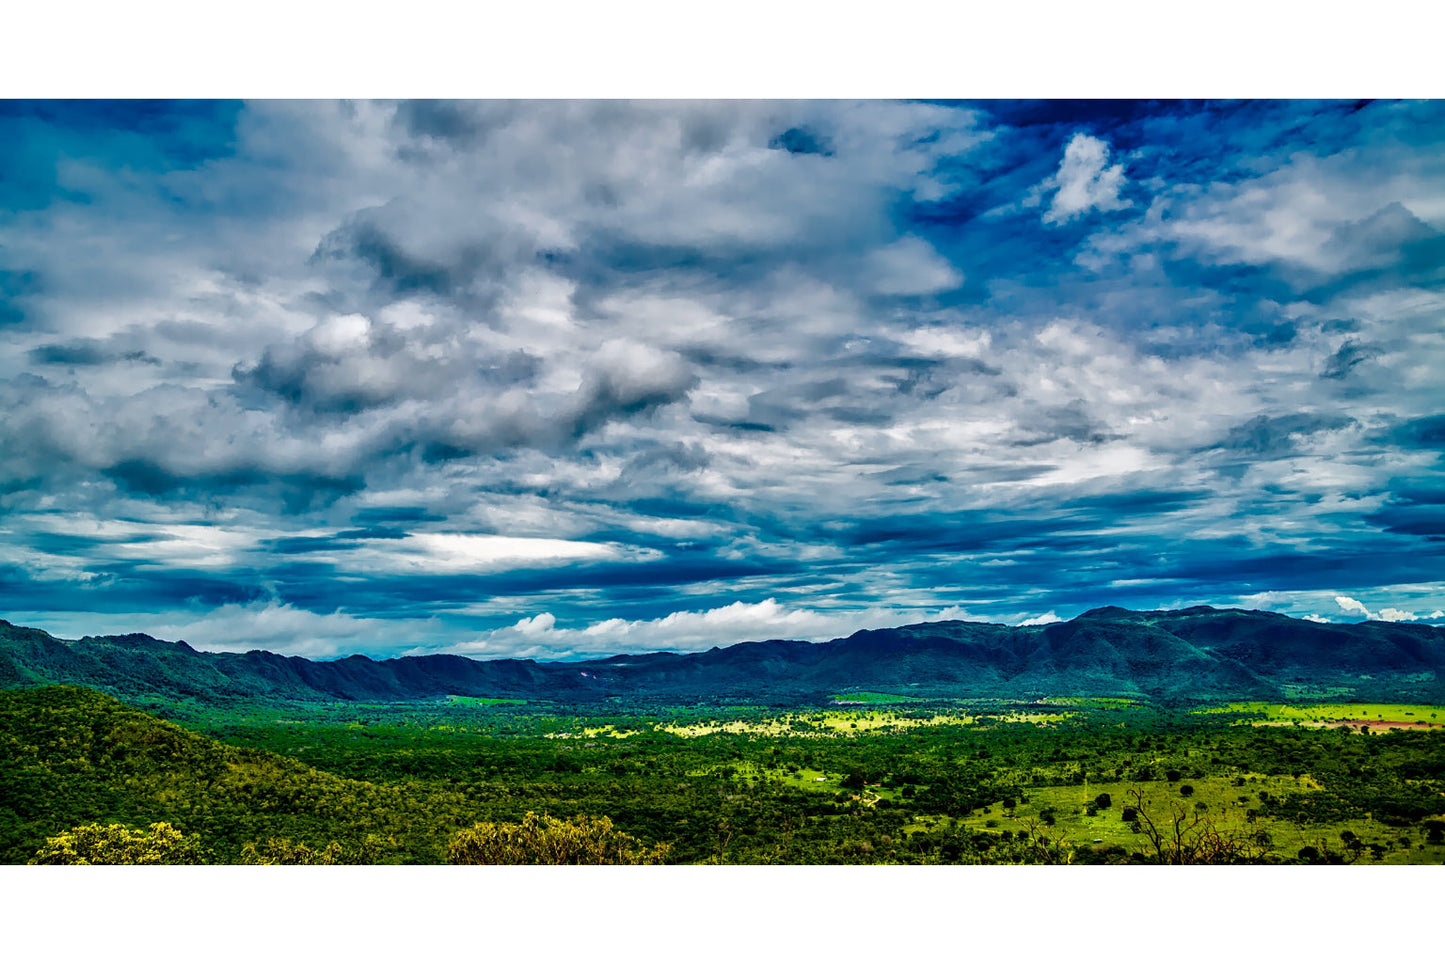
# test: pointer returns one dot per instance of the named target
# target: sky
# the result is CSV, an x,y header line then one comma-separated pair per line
x,y
563,378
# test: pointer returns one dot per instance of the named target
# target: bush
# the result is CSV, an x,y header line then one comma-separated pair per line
x,y
543,840
117,845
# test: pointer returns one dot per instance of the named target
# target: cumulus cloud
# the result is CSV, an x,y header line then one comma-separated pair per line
x,y
1045,619
684,631
278,627
1387,613
910,266
1085,181
1352,605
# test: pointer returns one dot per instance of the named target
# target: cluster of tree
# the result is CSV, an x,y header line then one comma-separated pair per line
x,y
547,841
114,844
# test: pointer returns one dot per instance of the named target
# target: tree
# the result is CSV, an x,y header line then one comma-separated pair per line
x,y
544,840
284,852
1186,840
1103,801
118,845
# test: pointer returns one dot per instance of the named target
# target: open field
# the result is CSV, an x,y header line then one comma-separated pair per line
x,y
476,701
1376,716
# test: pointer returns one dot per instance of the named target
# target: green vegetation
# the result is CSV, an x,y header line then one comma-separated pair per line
x,y
544,841
980,781
461,700
871,698
95,845
1334,713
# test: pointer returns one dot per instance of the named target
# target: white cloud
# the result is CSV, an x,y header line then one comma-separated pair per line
x,y
1046,619
452,553
540,636
1386,614
910,266
1085,181
281,628
1352,605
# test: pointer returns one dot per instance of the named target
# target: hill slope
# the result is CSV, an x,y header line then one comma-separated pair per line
x,y
71,755
1196,653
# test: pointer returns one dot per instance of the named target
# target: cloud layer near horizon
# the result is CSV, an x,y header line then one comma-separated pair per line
x,y
559,378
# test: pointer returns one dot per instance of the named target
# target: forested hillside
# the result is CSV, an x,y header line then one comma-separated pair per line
x,y
70,756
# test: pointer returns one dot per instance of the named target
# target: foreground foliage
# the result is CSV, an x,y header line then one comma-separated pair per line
x,y
98,845
546,841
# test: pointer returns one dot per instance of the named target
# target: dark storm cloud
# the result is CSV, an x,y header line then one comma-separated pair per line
x,y
88,351
799,140
1426,433
1351,353
1273,436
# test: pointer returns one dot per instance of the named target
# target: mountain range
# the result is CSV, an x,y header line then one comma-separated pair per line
x,y
1191,654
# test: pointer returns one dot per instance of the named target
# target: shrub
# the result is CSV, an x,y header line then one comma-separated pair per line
x,y
543,840
117,845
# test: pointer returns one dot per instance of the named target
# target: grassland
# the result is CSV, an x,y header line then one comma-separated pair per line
x,y
1376,715
458,700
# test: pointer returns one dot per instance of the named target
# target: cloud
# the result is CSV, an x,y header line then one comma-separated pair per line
x,y
278,627
1085,181
451,553
1046,619
469,362
1352,605
910,266
1386,614
683,631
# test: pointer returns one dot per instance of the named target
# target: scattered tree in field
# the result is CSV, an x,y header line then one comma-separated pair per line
x,y
118,845
1185,839
1186,790
544,840
1103,801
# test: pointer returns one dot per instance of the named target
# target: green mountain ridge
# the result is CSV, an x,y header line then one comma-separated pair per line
x,y
1196,653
